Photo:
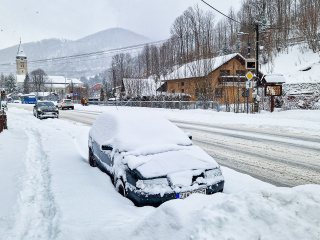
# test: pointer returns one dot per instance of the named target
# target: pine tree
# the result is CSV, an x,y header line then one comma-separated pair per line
x,y
225,49
26,84
10,83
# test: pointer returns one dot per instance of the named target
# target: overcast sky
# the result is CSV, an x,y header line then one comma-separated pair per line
x,y
34,20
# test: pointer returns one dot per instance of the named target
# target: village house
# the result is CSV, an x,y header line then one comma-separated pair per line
x,y
220,79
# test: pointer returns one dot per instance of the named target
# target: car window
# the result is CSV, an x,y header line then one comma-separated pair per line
x,y
67,101
47,104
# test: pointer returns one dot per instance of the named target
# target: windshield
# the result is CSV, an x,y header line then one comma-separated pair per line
x,y
45,104
67,101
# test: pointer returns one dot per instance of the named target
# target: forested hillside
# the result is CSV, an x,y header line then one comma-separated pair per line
x,y
196,35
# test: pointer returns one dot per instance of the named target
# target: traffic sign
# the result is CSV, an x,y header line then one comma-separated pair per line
x,y
249,84
76,93
251,64
249,76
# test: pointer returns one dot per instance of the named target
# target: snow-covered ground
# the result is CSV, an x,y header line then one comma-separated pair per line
x,y
49,191
298,64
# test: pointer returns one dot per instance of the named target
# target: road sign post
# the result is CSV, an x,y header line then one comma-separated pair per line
x,y
249,84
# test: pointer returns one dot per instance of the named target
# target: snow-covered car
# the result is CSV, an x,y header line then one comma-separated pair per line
x,y
45,109
65,104
149,159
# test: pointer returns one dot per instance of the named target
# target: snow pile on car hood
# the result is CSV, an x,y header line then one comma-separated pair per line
x,y
170,162
142,132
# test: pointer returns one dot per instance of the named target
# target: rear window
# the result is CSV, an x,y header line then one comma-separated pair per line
x,y
67,101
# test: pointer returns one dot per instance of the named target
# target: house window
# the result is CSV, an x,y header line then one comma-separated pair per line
x,y
240,73
22,65
182,90
218,93
173,91
182,84
224,72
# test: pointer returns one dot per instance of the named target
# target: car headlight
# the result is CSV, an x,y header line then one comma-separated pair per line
x,y
151,183
58,109
213,173
39,109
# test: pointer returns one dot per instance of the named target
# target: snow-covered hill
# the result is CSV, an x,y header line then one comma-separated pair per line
x,y
51,48
298,64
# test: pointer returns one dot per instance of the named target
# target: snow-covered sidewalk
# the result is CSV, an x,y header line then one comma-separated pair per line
x,y
49,191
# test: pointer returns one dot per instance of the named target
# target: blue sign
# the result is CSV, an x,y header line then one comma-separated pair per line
x,y
76,94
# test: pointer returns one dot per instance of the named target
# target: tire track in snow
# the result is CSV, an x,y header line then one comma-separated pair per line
x,y
35,215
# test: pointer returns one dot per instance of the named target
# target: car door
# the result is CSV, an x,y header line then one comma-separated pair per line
x,y
105,155
35,110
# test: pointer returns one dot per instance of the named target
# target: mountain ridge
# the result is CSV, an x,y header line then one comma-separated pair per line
x,y
53,48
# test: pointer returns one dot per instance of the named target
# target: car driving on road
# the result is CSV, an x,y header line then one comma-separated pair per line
x,y
149,159
45,109
65,104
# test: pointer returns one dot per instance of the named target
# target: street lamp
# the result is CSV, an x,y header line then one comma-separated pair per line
x,y
241,34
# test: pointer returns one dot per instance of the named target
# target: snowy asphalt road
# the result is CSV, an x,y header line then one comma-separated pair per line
x,y
279,157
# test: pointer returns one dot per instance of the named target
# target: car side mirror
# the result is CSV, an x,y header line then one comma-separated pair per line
x,y
106,148
189,136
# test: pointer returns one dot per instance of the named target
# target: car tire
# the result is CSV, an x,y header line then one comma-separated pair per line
x,y
120,187
72,108
92,161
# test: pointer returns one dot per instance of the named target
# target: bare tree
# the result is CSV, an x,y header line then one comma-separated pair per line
x,y
38,79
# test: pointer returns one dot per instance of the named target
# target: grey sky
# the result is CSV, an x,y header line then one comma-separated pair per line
x,y
34,20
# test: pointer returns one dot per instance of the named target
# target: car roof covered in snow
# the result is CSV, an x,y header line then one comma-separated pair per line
x,y
138,131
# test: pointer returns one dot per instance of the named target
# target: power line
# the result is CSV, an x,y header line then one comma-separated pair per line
x,y
122,49
220,12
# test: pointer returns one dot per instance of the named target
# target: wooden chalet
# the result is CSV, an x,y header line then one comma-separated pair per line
x,y
220,79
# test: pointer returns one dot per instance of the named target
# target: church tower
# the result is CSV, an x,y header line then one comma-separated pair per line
x,y
21,61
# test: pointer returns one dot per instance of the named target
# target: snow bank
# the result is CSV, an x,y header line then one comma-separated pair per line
x,y
48,191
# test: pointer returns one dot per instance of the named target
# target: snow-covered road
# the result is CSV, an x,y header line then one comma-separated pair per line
x,y
276,156
49,191
283,159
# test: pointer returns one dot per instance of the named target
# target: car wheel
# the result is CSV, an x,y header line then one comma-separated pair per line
x,y
91,159
72,108
120,187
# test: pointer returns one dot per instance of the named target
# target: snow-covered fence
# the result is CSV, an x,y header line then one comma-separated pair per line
x,y
212,105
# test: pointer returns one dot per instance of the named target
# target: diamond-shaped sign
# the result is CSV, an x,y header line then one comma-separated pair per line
x,y
249,75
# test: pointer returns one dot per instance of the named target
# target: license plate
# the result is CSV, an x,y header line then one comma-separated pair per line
x,y
187,194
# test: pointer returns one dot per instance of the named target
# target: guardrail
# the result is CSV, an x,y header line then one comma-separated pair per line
x,y
161,104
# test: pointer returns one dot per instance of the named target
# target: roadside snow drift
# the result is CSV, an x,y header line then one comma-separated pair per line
x,y
49,191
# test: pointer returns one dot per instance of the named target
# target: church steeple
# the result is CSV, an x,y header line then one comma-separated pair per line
x,y
21,61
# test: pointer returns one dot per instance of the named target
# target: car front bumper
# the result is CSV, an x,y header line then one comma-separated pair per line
x,y
48,114
141,199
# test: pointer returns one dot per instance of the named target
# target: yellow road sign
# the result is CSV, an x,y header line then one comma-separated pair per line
x,y
249,75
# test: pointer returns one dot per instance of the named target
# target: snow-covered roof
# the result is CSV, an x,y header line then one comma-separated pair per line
x,y
20,52
199,68
20,78
41,94
141,87
129,130
52,80
301,92
274,78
